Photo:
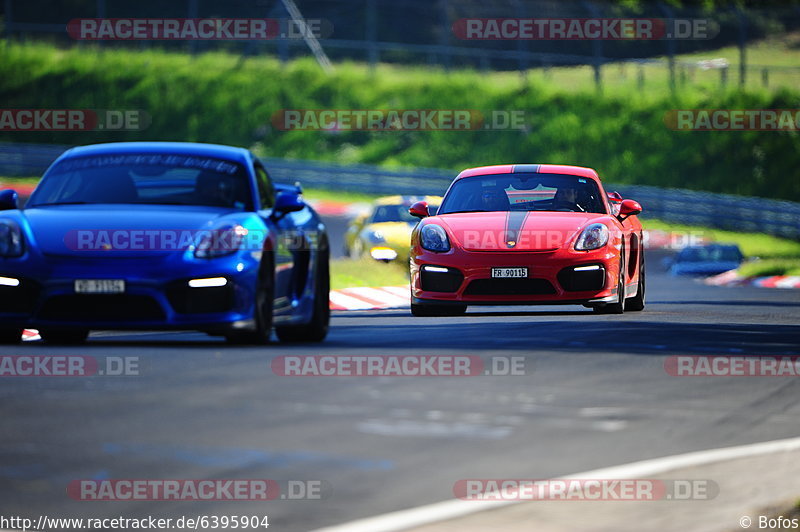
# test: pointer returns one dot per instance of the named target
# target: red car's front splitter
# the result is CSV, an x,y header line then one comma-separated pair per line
x,y
465,277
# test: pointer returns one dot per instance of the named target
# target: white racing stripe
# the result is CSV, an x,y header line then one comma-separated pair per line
x,y
441,511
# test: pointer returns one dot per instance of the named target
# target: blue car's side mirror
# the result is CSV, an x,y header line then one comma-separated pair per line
x,y
9,199
288,202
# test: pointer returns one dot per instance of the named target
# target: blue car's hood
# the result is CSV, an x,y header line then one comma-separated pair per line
x,y
77,229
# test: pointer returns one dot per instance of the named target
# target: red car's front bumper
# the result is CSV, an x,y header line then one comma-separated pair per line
x,y
551,277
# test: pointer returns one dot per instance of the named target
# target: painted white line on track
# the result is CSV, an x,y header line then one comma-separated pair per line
x,y
442,511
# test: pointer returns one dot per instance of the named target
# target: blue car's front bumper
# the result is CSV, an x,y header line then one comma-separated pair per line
x,y
157,294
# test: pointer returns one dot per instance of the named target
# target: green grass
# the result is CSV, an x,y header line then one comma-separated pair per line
x,y
347,273
751,244
768,255
219,97
766,268
337,196
12,181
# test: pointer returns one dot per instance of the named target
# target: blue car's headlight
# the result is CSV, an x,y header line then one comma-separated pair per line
x,y
11,242
220,242
434,238
593,237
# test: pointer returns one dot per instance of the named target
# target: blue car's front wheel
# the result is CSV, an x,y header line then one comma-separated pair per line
x,y
262,312
317,329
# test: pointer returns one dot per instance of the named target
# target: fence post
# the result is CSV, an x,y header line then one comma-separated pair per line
x,y
101,13
523,48
723,76
444,38
597,47
669,14
372,34
279,12
742,46
9,22
765,77
640,76
192,13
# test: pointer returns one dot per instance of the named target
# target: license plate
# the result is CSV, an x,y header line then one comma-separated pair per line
x,y
100,286
509,272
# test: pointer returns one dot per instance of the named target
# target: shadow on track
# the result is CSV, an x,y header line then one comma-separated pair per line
x,y
639,337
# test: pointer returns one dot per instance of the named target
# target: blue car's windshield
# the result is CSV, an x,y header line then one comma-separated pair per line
x,y
145,179
523,192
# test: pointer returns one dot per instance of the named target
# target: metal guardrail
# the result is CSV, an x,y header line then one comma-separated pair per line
x,y
721,211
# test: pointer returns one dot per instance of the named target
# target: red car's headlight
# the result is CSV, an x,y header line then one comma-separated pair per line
x,y
594,236
434,238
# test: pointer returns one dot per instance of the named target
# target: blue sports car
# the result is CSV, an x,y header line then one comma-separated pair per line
x,y
162,235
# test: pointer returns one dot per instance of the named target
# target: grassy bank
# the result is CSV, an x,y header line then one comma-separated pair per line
x,y
217,97
346,273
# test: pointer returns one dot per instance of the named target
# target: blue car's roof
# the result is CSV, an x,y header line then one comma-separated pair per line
x,y
217,151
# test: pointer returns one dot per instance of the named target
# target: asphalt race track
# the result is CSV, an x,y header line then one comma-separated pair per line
x,y
595,394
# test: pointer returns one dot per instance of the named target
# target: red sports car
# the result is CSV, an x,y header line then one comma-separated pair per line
x,y
527,234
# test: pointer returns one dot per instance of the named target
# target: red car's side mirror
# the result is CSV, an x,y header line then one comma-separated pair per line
x,y
629,207
419,210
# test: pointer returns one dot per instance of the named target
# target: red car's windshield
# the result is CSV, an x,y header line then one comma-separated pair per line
x,y
524,192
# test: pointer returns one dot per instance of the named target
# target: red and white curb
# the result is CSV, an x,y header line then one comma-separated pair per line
x,y
338,208
732,278
30,335
22,190
363,298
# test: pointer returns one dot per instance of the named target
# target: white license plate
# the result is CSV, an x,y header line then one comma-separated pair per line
x,y
509,272
99,286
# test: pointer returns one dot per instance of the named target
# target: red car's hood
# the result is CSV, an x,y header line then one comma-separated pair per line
x,y
515,230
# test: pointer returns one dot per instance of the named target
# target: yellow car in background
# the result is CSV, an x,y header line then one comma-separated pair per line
x,y
384,231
